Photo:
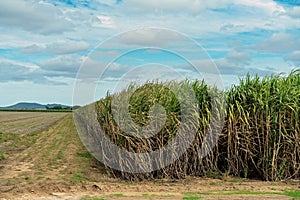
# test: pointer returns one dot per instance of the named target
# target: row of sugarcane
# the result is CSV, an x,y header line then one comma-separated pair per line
x,y
252,130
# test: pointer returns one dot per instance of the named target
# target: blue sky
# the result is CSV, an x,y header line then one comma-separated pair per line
x,y
44,42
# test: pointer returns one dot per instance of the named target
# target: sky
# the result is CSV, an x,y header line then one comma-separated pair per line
x,y
48,46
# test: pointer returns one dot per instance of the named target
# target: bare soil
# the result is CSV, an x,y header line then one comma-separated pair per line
x,y
53,164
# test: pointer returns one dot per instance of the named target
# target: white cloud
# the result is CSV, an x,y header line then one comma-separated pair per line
x,y
69,66
13,41
67,47
268,6
195,6
35,17
149,37
294,57
29,66
102,21
13,71
208,19
234,63
238,58
279,43
107,2
294,12
232,27
191,6
62,47
63,65
81,16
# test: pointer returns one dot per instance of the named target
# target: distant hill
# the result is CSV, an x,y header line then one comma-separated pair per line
x,y
36,106
24,105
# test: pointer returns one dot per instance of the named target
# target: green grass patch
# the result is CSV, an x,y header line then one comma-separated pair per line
x,y
191,198
292,193
59,155
84,154
118,195
33,133
157,195
2,157
78,177
190,193
92,198
150,195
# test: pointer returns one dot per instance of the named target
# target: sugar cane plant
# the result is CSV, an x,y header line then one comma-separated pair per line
x,y
262,131
260,134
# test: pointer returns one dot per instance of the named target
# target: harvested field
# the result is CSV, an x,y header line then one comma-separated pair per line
x,y
53,164
27,122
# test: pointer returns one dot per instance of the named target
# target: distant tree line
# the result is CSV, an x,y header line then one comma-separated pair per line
x,y
58,107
